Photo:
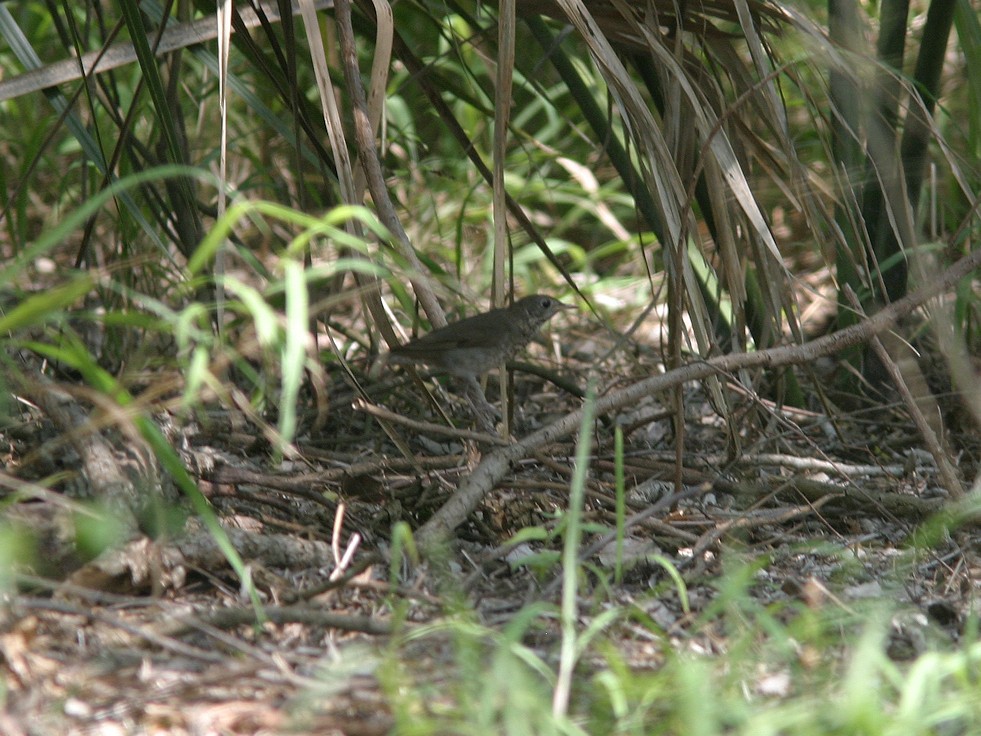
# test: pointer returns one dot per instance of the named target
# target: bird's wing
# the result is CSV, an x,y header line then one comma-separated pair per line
x,y
481,330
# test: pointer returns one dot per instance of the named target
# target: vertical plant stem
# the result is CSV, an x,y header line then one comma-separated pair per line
x,y
621,500
502,114
570,556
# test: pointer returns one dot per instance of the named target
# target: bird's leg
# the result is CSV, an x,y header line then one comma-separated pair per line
x,y
483,411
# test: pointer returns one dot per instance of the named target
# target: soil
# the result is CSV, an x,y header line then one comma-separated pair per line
x,y
157,634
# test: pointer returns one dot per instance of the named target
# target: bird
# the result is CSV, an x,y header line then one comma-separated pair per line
x,y
472,346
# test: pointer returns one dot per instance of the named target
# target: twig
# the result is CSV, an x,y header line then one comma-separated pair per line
x,y
814,464
310,615
635,519
160,640
754,519
305,484
944,466
368,157
463,434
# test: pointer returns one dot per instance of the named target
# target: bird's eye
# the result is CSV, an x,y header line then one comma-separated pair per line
x,y
545,303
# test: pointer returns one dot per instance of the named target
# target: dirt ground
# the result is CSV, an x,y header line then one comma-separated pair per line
x,y
160,636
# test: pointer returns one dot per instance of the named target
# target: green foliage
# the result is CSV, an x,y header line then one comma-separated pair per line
x,y
495,684
98,529
18,551
669,159
781,667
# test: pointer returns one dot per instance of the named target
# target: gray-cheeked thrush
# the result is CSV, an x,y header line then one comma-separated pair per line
x,y
473,346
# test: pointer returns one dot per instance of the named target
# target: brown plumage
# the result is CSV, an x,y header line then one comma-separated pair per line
x,y
474,345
